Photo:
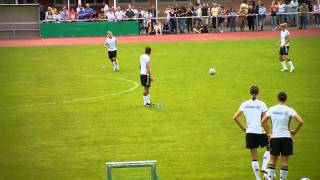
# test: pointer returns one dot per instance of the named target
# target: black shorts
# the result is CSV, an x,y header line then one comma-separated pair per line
x,y
145,80
253,141
283,146
112,54
284,50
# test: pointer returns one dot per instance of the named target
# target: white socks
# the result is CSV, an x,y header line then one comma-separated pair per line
x,y
283,172
271,172
284,66
255,168
266,158
115,65
146,99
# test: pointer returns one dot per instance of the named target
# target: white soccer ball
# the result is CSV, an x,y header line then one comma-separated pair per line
x,y
305,178
212,71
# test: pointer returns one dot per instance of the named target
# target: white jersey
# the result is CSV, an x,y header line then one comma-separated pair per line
x,y
280,116
119,15
252,110
283,36
111,42
144,60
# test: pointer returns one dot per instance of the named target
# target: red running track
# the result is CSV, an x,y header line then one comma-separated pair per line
x,y
156,38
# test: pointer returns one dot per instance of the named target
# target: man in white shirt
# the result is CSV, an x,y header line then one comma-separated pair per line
x,y
146,76
110,15
253,110
284,48
119,14
111,44
281,134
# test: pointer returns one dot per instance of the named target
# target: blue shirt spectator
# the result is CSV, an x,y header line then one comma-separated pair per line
x,y
89,11
82,14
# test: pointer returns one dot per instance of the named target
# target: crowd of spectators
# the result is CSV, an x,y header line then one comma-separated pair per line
x,y
199,18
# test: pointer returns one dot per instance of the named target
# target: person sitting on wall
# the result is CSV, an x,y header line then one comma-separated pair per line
x,y
201,28
166,28
73,15
157,30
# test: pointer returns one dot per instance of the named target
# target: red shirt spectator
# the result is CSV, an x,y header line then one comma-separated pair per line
x,y
73,15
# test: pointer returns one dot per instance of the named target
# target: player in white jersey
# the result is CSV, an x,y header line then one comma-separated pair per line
x,y
253,110
146,76
284,48
111,44
281,134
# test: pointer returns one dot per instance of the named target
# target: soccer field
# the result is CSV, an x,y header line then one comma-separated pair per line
x,y
63,114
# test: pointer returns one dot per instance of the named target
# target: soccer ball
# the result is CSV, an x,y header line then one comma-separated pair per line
x,y
305,178
212,71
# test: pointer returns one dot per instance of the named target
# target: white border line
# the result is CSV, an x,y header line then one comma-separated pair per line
x,y
135,86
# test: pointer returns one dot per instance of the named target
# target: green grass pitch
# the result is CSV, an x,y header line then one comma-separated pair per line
x,y
54,125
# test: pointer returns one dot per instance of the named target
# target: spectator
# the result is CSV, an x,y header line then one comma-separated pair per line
x,y
135,11
189,19
273,15
242,15
232,21
65,15
316,11
227,11
198,19
78,8
154,14
158,28
101,14
251,18
110,15
173,24
140,19
294,9
214,14
49,14
105,9
89,12
201,28
287,10
147,21
166,28
303,16
81,14
220,18
261,16
181,21
42,13
280,11
205,13
73,15
167,13
129,13
119,14
56,16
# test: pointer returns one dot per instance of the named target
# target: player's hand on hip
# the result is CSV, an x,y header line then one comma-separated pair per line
x,y
151,78
293,132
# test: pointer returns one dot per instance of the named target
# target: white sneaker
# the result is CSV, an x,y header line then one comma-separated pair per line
x,y
291,69
284,69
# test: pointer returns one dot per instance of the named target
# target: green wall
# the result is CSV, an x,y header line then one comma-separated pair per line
x,y
77,29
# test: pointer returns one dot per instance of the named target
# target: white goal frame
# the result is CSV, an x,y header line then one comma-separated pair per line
x,y
151,163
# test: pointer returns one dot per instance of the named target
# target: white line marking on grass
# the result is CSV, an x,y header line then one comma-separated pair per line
x,y
135,86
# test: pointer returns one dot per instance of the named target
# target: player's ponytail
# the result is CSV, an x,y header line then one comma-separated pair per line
x,y
254,91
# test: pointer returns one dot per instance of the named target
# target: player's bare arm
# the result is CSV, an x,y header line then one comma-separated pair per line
x,y
149,72
265,125
236,118
299,120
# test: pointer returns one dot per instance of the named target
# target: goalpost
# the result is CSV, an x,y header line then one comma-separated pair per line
x,y
152,164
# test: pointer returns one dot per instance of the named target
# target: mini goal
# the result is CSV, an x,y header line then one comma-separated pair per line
x,y
129,164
